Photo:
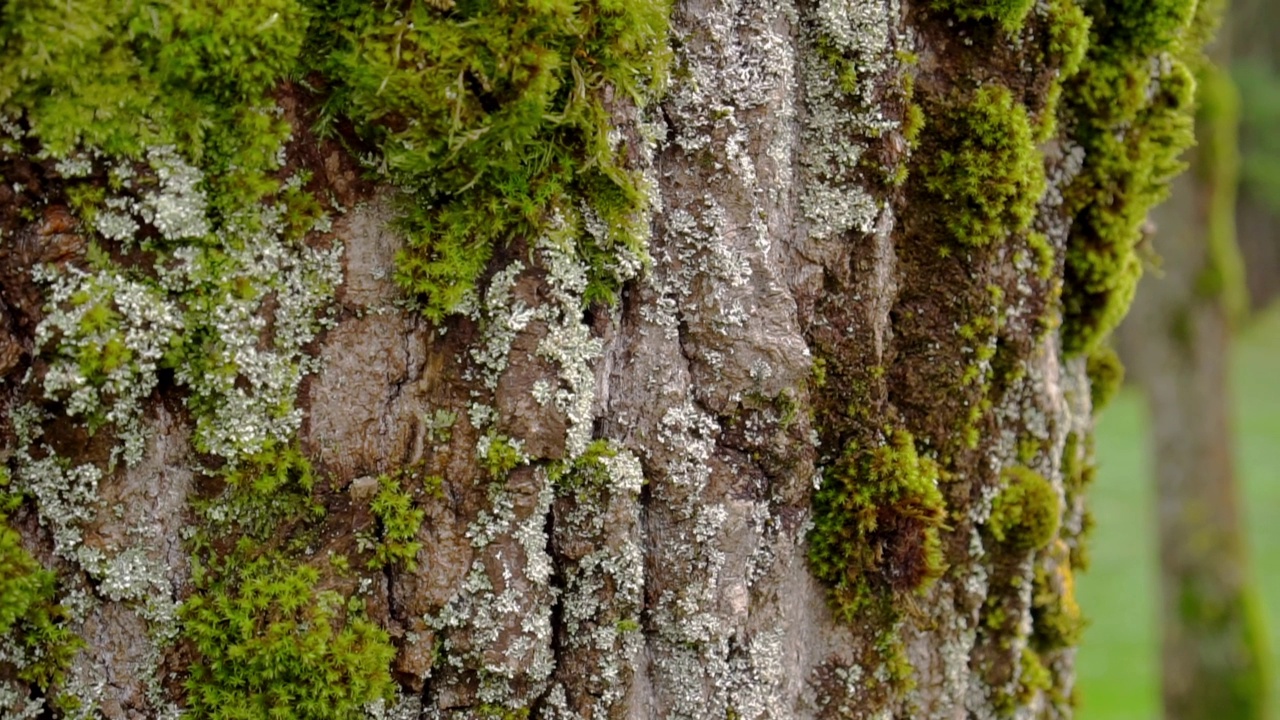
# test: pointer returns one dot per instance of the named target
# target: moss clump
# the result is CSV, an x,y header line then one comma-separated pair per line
x,y
982,167
490,112
273,644
1056,617
876,523
123,77
1026,512
1009,13
1132,118
398,525
1106,375
29,618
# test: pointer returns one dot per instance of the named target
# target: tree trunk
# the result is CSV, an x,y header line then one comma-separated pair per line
x,y
1177,343
444,361
1255,62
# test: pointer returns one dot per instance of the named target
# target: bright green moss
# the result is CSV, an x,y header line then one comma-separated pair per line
x,y
1026,512
500,455
29,618
1009,13
122,77
272,644
876,523
398,525
1066,40
265,491
1068,34
1106,375
23,583
1132,119
490,113
982,167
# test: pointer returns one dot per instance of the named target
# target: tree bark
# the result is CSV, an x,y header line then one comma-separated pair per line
x,y
823,456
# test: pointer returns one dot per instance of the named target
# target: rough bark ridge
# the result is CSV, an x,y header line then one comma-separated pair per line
x,y
822,455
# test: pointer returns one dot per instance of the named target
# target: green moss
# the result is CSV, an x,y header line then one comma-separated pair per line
x,y
1132,119
1106,375
876,523
29,617
1026,512
1033,677
398,525
1009,13
1218,164
490,711
585,473
271,643
1068,35
1056,618
122,77
500,455
490,113
266,491
982,167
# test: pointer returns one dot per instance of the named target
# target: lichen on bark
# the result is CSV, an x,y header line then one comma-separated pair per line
x,y
550,360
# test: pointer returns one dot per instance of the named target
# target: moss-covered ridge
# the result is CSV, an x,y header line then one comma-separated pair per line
x,y
1130,109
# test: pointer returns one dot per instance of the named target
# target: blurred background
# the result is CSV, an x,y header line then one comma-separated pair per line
x,y
1183,589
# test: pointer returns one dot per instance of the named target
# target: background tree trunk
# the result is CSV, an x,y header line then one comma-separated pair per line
x,y
1177,344
824,457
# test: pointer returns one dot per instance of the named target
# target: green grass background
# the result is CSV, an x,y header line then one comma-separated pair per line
x,y
1118,660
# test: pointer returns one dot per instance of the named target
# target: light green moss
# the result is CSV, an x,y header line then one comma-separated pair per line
x,y
1056,618
1106,375
1026,511
1009,13
491,112
272,643
1132,125
30,620
398,524
876,522
981,166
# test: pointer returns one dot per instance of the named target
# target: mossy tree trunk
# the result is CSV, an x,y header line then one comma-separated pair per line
x,y
1255,64
562,360
1177,343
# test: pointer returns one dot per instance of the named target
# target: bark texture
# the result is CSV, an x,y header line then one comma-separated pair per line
x,y
857,220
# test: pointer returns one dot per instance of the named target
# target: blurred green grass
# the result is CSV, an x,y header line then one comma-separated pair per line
x,y
1117,667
